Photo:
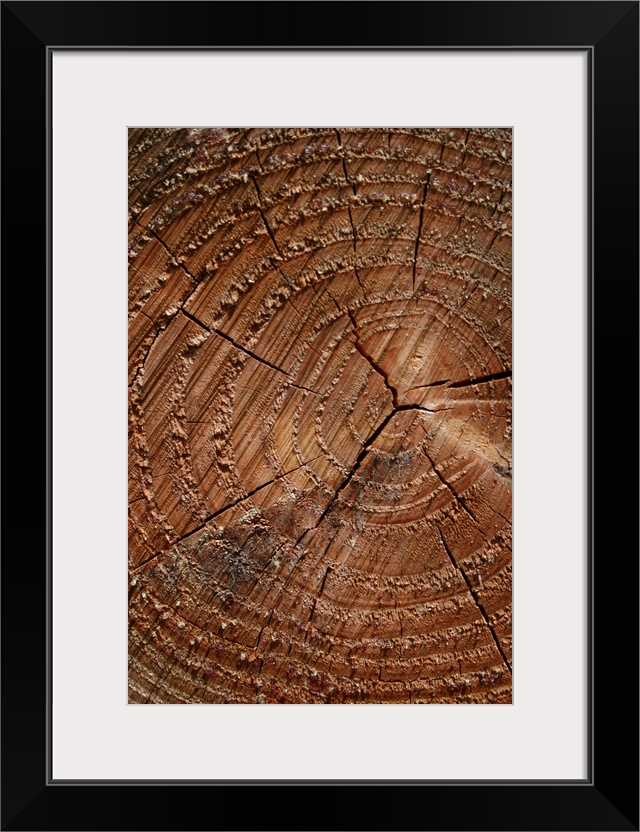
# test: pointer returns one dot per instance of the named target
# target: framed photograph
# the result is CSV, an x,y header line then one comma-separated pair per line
x,y
379,272
320,412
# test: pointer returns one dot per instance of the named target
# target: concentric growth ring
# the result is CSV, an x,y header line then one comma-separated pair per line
x,y
320,415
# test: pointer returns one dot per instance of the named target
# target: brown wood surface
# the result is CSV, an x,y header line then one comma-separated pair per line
x,y
320,415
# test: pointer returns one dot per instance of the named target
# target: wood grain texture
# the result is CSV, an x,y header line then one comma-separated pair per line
x,y
320,415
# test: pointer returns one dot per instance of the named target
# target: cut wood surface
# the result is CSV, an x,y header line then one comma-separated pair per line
x,y
320,415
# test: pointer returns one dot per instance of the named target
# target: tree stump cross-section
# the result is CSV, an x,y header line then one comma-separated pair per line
x,y
320,415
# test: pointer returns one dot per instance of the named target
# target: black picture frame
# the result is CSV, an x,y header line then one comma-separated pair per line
x,y
608,798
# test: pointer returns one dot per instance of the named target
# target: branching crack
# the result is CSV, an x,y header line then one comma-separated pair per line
x,y
380,370
473,594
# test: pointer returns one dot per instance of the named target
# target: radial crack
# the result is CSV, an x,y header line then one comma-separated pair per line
x,y
402,407
248,352
264,219
344,165
194,319
365,449
168,250
460,500
473,594
468,382
222,510
320,591
432,384
415,253
355,251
